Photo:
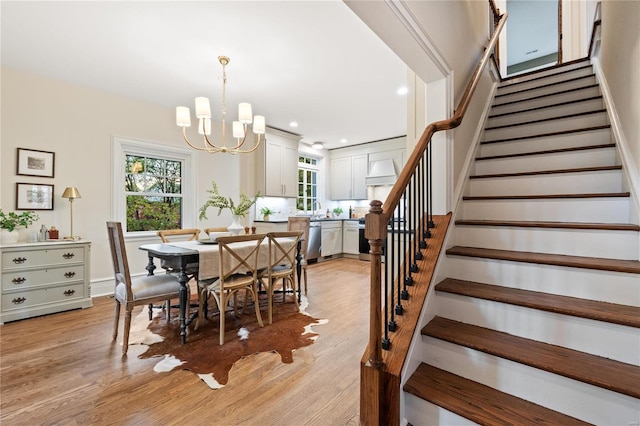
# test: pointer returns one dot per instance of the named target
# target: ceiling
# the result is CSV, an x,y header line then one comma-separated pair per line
x,y
312,62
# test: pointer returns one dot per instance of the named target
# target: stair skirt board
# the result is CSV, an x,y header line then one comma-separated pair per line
x,y
601,181
619,343
577,242
613,287
574,398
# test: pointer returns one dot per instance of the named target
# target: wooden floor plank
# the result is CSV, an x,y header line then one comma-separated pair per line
x,y
616,265
591,309
595,370
479,403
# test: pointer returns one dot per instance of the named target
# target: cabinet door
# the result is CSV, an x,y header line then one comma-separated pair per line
x,y
350,240
289,171
273,184
341,178
359,170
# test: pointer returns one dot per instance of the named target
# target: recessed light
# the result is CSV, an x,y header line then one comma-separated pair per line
x,y
293,124
343,141
402,91
317,145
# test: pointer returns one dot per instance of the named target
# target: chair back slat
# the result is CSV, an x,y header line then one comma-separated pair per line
x,y
239,254
215,229
165,234
279,253
300,224
119,256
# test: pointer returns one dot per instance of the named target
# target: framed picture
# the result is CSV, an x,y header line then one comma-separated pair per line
x,y
34,196
35,163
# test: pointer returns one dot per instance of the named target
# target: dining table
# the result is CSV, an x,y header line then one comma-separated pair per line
x,y
206,255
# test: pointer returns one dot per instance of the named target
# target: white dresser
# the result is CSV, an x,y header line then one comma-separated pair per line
x,y
43,278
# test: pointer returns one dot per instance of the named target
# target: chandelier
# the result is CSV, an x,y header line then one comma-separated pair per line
x,y
203,113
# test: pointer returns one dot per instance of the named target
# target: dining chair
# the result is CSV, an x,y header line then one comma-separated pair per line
x,y
215,229
167,236
301,224
238,270
282,266
141,290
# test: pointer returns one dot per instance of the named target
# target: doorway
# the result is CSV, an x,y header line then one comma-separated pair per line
x,y
534,35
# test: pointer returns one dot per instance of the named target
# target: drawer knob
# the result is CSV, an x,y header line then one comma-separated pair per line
x,y
18,300
18,280
68,255
70,274
19,260
69,292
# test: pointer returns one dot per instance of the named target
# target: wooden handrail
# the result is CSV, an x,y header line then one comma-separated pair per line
x,y
375,387
597,21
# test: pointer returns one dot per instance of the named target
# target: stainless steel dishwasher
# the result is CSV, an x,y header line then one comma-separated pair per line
x,y
313,250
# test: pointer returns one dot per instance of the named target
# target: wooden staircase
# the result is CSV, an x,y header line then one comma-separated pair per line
x,y
538,319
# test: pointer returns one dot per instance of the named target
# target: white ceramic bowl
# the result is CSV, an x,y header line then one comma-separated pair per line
x,y
214,235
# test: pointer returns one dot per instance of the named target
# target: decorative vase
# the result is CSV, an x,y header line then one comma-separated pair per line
x,y
265,218
235,228
9,237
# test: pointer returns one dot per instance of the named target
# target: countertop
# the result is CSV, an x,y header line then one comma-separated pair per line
x,y
312,220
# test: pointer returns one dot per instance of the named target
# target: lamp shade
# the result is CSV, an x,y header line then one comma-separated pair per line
x,y
71,192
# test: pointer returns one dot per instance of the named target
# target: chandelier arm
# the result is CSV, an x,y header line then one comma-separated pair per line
x,y
247,151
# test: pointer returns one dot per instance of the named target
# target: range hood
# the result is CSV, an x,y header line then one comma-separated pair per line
x,y
383,172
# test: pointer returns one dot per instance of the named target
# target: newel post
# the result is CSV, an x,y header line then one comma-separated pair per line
x,y
371,377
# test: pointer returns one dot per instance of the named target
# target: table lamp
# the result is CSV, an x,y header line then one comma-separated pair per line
x,y
71,193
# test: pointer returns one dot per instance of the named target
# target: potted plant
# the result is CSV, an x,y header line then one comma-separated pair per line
x,y
221,202
10,221
266,211
337,211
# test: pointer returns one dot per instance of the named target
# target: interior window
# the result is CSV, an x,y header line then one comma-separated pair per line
x,y
307,183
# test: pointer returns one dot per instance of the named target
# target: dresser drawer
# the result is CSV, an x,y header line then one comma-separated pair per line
x,y
21,259
33,278
42,296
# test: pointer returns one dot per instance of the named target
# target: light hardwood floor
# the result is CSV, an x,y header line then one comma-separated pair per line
x,y
65,369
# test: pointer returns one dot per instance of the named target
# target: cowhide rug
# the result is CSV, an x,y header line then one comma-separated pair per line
x,y
203,355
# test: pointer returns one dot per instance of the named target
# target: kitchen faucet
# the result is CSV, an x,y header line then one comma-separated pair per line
x,y
315,212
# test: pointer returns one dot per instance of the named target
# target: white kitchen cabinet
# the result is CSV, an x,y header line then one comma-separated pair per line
x,y
277,165
348,177
350,237
331,238
42,278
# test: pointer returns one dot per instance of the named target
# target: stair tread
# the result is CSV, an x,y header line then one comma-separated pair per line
x,y
546,135
595,370
507,81
548,172
546,85
546,196
566,305
547,151
543,224
598,263
542,120
577,101
589,86
477,402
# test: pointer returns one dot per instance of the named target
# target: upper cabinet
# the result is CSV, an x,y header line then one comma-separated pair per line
x,y
277,165
347,177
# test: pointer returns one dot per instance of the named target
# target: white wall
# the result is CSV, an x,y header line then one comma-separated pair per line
x,y
78,125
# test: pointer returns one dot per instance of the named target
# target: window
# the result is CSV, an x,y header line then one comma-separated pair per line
x,y
307,183
150,187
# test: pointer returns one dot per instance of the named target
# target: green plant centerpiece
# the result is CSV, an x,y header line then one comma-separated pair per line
x,y
10,221
266,211
221,202
337,211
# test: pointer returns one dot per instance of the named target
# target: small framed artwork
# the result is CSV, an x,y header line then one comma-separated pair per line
x,y
34,196
35,163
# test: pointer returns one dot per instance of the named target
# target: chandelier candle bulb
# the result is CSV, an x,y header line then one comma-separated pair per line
x,y
183,116
244,113
203,108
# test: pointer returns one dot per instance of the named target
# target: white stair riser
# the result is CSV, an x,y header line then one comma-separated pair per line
x,y
545,90
548,72
545,113
574,242
553,78
574,95
620,343
554,161
595,210
557,125
419,412
570,140
556,183
614,287
571,397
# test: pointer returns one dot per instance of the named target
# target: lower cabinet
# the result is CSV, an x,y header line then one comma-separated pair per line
x,y
351,237
43,278
331,238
